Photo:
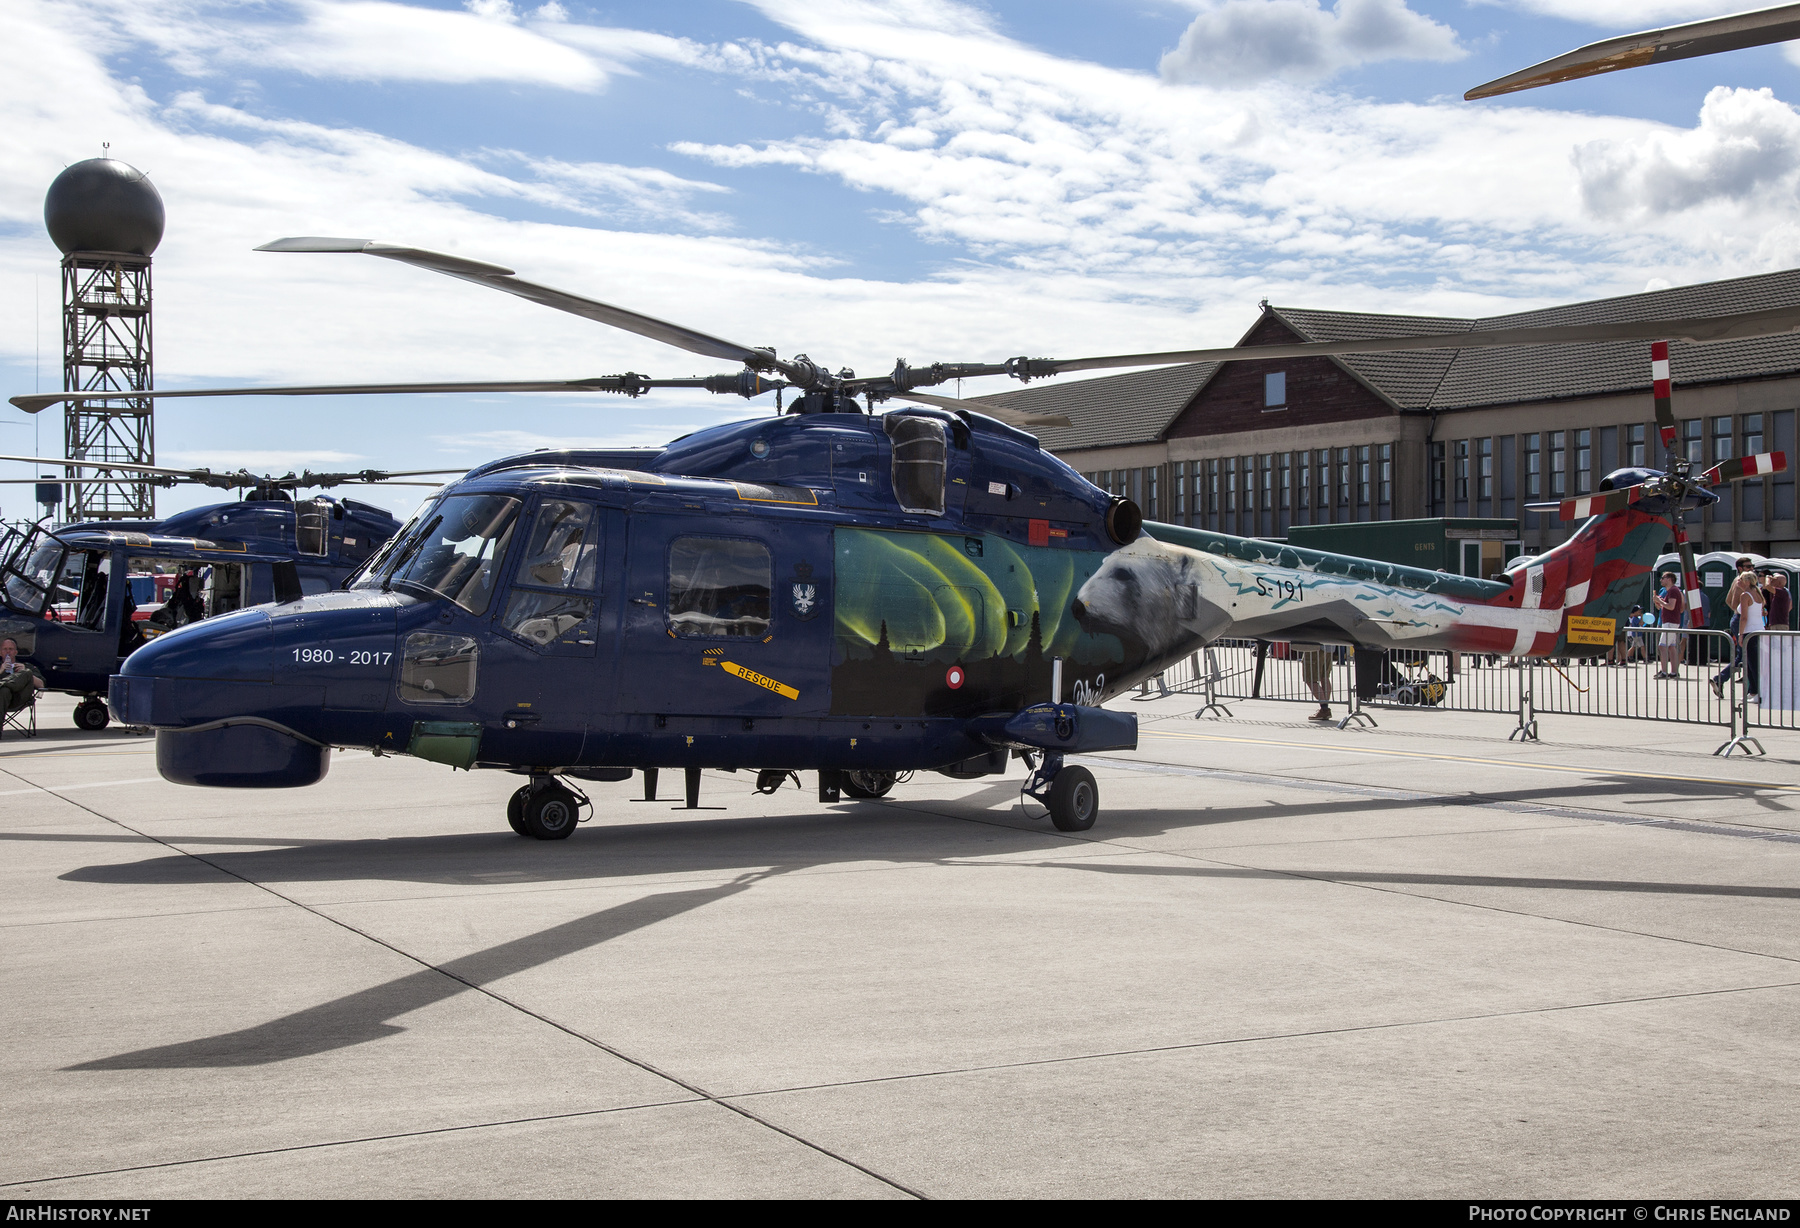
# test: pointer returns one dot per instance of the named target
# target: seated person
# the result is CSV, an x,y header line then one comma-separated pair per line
x,y
19,680
183,606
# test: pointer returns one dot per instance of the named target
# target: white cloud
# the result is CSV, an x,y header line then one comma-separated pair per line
x,y
1243,42
1627,16
1745,149
377,40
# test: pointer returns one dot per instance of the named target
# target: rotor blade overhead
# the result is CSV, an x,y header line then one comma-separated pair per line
x,y
1701,329
501,278
1741,467
1592,505
627,384
1012,417
123,466
1776,25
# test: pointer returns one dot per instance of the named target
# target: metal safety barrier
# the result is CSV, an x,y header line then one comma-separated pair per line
x,y
1656,674
1765,686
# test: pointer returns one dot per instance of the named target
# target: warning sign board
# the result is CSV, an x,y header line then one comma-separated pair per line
x,y
1592,631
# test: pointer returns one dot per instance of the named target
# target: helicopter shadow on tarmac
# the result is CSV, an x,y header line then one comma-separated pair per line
x,y
746,845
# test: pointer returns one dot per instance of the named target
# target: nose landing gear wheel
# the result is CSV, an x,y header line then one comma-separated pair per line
x,y
91,714
550,813
1074,799
515,810
868,785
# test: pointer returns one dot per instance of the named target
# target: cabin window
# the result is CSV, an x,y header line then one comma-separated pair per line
x,y
438,669
719,586
920,452
458,552
312,520
1275,390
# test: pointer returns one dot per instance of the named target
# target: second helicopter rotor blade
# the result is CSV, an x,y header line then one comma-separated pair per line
x,y
1740,467
1700,329
500,278
629,385
122,466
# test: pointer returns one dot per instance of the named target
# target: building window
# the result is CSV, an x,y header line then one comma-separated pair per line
x,y
1212,492
1753,434
1721,440
1267,466
1152,496
1305,480
1691,439
1484,469
1324,480
1364,492
1559,459
1584,462
1230,485
1461,471
1275,390
1343,477
1437,476
1634,446
1534,469
1385,495
1287,490
1178,486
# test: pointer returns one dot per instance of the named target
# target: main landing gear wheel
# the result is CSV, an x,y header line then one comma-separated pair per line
x,y
1074,799
868,785
551,813
515,809
91,714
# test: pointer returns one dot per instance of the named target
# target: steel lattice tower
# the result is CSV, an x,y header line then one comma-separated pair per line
x,y
107,217
107,346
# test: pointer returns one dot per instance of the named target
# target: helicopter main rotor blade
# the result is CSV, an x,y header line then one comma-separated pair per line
x,y
1012,417
1583,506
1700,329
627,384
500,278
123,466
1740,467
1683,42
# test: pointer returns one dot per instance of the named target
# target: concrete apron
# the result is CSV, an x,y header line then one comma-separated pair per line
x,y
1288,960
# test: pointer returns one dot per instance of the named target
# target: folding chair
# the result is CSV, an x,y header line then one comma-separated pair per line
x,y
23,720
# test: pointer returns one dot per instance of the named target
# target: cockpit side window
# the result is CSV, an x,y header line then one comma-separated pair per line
x,y
549,600
718,586
312,521
920,450
31,579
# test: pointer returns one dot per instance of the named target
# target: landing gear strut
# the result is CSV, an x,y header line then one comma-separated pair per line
x,y
1070,794
91,714
545,809
867,786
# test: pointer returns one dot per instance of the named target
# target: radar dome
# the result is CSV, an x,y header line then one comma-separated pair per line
x,y
104,205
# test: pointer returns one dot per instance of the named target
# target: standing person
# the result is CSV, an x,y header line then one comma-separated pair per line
x,y
1781,602
1746,578
1315,671
1668,609
1752,617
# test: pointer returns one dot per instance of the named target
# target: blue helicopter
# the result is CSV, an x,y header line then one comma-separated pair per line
x,y
831,590
78,599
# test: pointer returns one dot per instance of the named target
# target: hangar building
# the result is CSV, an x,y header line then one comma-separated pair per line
x,y
1253,448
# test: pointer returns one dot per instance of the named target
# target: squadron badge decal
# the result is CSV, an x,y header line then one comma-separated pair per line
x,y
803,595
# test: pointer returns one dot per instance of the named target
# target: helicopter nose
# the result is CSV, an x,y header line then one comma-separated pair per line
x,y
208,691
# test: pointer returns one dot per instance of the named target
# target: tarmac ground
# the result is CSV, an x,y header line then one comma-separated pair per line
x,y
1415,960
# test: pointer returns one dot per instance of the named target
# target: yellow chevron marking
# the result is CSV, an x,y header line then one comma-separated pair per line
x,y
767,683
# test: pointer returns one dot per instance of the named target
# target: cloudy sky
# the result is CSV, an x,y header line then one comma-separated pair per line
x,y
853,179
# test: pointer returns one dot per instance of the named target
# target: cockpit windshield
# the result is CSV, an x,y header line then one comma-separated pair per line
x,y
375,566
31,573
457,554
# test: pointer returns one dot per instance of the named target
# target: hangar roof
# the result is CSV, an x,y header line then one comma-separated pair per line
x,y
1140,406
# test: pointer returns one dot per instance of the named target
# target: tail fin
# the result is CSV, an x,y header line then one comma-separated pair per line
x,y
1598,573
